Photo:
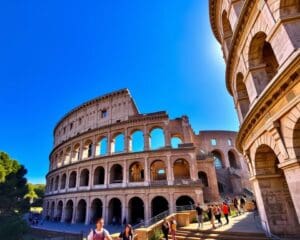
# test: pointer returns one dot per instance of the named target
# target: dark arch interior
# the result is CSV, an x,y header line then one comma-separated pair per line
x,y
116,174
203,177
115,211
69,211
184,201
84,177
96,210
72,180
99,176
159,204
81,211
136,210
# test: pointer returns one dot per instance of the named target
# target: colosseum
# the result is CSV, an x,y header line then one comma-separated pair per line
x,y
110,160
260,41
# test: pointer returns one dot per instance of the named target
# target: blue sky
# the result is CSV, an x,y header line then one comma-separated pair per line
x,y
54,55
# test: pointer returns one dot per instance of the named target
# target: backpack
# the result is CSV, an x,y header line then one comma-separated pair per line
x,y
97,236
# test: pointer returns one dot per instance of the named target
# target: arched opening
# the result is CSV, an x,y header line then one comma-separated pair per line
x,y
52,211
181,169
218,160
233,162
101,147
84,178
59,211
81,211
56,183
69,211
76,153
118,143
72,179
157,138
221,187
242,95
158,171
136,172
136,142
67,156
87,149
60,159
276,198
136,210
116,174
99,176
52,184
184,201
262,61
203,177
296,139
158,205
289,7
63,181
175,141
115,211
227,31
96,210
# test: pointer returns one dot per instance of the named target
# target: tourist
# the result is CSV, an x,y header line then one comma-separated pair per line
x,y
100,233
165,228
217,211
225,210
127,234
242,204
199,211
236,206
211,216
173,227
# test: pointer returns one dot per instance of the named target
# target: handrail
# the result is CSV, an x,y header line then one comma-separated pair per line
x,y
152,220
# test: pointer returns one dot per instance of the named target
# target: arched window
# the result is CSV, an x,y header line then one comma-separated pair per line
x,y
136,172
227,31
84,178
101,148
289,7
60,159
116,174
67,156
181,169
87,149
262,61
218,161
203,177
76,153
157,138
296,139
136,143
159,205
158,171
56,183
99,175
232,160
63,181
242,95
175,141
81,211
118,143
72,179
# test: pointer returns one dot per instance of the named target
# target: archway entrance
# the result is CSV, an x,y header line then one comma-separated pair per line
x,y
59,211
275,196
158,205
69,211
181,169
81,211
96,210
135,210
184,201
115,211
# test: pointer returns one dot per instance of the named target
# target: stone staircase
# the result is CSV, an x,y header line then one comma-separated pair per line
x,y
217,235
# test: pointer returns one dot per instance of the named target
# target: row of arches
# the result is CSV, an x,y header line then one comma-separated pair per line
x,y
136,209
136,173
219,159
137,141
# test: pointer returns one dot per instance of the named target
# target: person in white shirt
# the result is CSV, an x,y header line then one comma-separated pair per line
x,y
100,233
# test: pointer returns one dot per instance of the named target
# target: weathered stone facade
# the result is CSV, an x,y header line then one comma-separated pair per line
x,y
91,176
260,40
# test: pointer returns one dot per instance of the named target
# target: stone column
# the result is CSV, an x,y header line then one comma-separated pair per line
x,y
167,138
91,177
172,204
109,144
146,172
63,214
77,178
94,147
106,171
74,211
146,139
105,210
170,174
67,180
88,211
126,141
125,174
124,209
146,207
80,151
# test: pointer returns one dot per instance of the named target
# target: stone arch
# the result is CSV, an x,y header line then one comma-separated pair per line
x,y
203,177
218,157
63,181
157,138
118,143
81,211
296,139
226,30
233,159
176,139
181,169
262,61
136,141
76,152
184,200
52,184
101,146
52,210
289,7
87,149
72,179
56,183
59,210
67,157
116,174
96,210
242,94
159,204
136,172
60,158
99,175
84,178
69,209
158,170
136,210
275,195
115,211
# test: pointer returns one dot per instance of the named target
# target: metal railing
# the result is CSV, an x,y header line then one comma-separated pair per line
x,y
185,208
152,220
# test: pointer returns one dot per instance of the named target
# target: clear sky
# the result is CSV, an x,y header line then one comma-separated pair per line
x,y
56,54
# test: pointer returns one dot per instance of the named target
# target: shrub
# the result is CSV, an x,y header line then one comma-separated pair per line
x,y
156,235
12,227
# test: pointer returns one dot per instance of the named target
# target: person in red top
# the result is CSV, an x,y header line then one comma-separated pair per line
x,y
225,210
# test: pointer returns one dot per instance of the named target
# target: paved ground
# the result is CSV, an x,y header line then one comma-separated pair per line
x,y
243,223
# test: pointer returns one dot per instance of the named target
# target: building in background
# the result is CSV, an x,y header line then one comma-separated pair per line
x,y
111,161
260,41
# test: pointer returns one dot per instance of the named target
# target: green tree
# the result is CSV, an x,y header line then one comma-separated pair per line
x,y
31,195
